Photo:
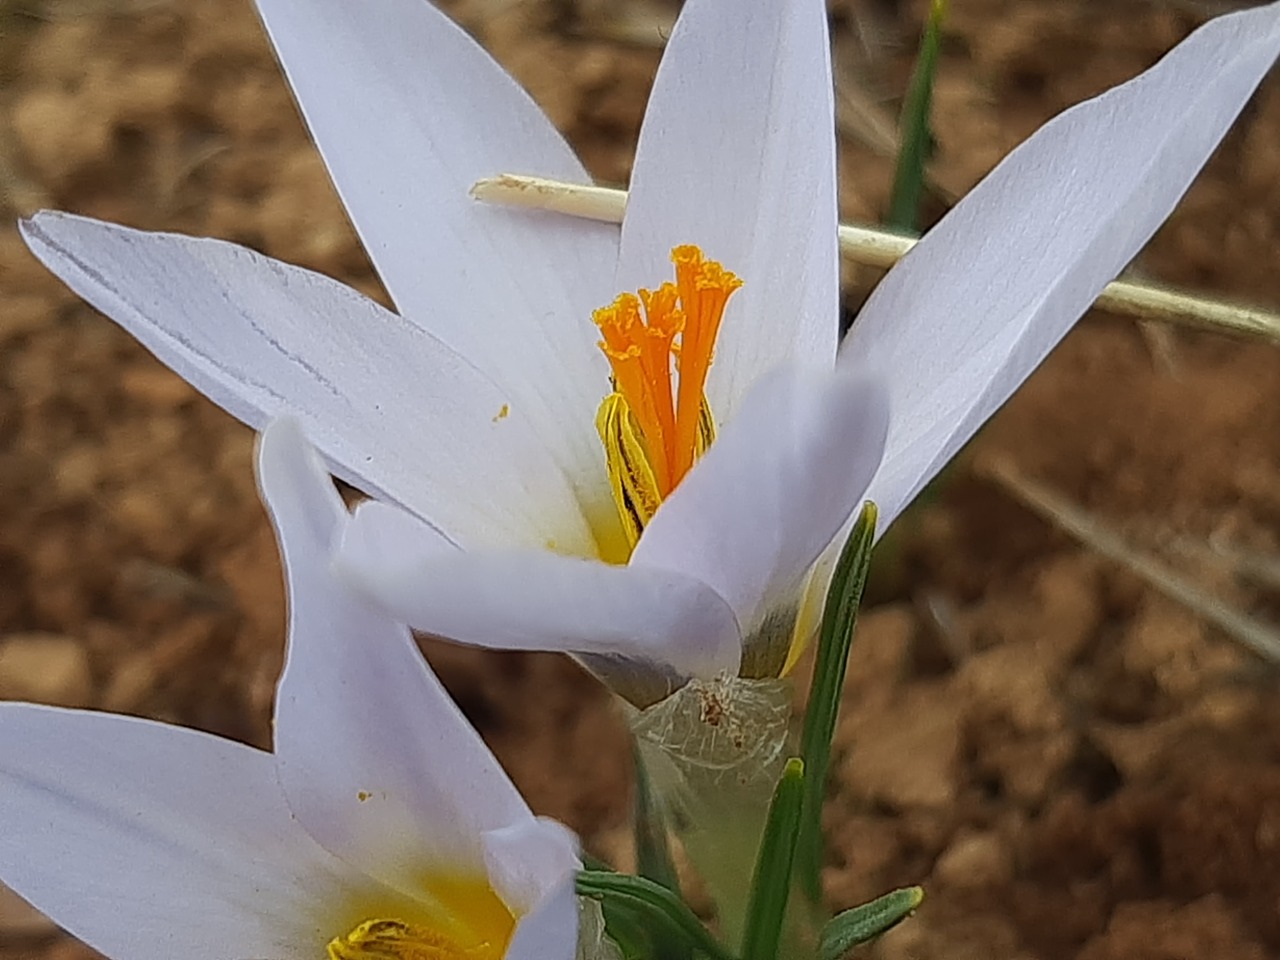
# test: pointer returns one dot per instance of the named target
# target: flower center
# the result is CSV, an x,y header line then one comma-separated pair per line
x,y
660,343
397,940
465,920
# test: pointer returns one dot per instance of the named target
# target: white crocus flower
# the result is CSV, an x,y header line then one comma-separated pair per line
x,y
549,519
381,828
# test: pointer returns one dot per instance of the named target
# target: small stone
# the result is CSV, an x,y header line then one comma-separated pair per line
x,y
45,668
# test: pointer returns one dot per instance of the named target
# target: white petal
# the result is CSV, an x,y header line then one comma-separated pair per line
x,y
394,410
550,932
151,842
737,155
408,112
773,490
976,306
376,760
537,600
529,861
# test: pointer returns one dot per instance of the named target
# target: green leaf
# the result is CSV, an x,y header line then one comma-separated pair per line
x,y
772,881
914,128
629,931
595,864
625,928
665,915
839,617
852,927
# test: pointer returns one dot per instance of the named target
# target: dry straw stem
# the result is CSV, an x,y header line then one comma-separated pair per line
x,y
882,248
1258,636
1262,569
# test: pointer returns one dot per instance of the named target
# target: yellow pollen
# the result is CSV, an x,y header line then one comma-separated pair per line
x,y
676,334
461,918
397,940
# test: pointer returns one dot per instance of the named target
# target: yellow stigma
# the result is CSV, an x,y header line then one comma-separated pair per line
x,y
655,424
462,919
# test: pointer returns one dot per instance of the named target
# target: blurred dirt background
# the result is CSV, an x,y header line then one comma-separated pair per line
x,y
1072,764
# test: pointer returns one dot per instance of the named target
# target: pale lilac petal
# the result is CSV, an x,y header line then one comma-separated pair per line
x,y
538,600
394,410
976,306
408,112
530,860
550,932
737,155
772,491
378,763
151,842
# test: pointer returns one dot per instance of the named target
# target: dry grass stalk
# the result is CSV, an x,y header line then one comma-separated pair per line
x,y
874,247
1258,636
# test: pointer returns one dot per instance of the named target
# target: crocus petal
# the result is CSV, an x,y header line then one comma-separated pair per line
x,y
773,490
537,600
530,860
151,842
976,306
375,758
737,155
408,112
395,410
550,932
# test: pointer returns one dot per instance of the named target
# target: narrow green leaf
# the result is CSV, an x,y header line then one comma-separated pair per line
x,y
669,916
772,881
630,931
852,927
839,617
595,864
914,128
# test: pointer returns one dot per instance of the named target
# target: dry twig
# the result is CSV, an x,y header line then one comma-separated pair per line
x,y
1258,636
880,248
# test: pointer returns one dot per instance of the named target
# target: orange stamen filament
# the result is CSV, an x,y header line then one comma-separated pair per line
x,y
643,353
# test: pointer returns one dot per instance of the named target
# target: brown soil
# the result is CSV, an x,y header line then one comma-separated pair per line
x,y
1070,764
